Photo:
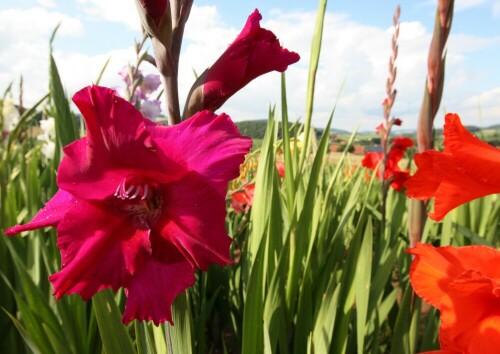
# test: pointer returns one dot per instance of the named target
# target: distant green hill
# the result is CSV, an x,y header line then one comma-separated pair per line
x,y
257,128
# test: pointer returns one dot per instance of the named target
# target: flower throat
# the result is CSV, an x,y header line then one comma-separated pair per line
x,y
139,197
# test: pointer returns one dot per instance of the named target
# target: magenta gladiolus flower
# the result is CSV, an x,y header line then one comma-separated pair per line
x,y
140,205
256,51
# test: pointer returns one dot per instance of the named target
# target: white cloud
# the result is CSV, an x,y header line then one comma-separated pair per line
x,y
467,4
25,46
78,70
496,8
359,54
35,22
461,5
483,108
47,3
464,43
118,11
351,51
485,99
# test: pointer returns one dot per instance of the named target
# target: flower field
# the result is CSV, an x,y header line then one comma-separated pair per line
x,y
124,234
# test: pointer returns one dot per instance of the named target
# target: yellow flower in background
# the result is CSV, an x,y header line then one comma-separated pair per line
x,y
297,142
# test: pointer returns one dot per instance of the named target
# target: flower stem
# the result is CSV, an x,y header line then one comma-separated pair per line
x,y
170,83
387,104
430,105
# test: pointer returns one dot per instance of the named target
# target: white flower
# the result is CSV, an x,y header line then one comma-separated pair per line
x,y
48,149
48,137
10,115
48,127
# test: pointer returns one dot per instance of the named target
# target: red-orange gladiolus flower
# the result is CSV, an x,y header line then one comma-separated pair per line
x,y
242,200
280,167
467,169
463,283
392,171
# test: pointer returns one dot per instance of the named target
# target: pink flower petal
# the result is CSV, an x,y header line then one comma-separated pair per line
x,y
117,145
150,292
111,121
50,215
254,52
99,249
207,144
194,221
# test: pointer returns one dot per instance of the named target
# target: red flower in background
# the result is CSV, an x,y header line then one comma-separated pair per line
x,y
467,169
463,283
256,51
401,144
280,167
392,171
140,205
242,200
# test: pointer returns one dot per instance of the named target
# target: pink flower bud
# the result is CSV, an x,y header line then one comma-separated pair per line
x,y
256,51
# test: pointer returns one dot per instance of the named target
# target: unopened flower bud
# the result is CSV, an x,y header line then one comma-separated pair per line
x,y
254,52
155,18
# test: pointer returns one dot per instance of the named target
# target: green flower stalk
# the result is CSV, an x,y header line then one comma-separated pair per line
x,y
385,129
430,105
164,21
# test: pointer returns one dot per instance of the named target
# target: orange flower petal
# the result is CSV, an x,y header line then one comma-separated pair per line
x,y
402,143
468,169
424,183
372,159
457,188
478,158
472,322
464,284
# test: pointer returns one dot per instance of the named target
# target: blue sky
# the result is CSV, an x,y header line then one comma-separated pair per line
x,y
356,49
